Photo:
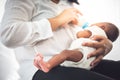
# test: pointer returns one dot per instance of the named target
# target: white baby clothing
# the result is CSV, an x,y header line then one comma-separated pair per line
x,y
77,44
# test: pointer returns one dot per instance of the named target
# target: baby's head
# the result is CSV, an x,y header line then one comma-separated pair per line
x,y
110,29
76,1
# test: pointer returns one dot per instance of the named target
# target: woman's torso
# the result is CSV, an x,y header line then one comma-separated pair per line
x,y
48,47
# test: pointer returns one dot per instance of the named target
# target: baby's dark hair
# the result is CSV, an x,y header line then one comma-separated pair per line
x,y
75,1
113,31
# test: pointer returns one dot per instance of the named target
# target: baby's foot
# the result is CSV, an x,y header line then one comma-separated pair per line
x,y
42,64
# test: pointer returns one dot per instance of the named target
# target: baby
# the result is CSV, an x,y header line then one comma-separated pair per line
x,y
106,29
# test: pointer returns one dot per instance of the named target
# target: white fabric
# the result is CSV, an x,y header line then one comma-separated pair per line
x,y
25,24
77,44
97,31
8,64
84,63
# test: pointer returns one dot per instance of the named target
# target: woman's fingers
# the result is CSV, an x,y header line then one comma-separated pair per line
x,y
76,14
69,15
99,42
102,46
97,52
97,60
93,44
104,42
99,38
99,56
77,11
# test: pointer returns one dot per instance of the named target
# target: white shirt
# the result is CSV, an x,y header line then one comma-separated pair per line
x,y
25,25
8,64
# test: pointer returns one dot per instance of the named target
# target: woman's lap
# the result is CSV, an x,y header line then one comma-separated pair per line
x,y
69,73
109,68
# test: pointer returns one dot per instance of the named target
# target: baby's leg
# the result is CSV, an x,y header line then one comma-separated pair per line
x,y
39,63
54,61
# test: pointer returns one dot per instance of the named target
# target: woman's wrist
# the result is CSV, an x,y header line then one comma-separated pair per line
x,y
55,23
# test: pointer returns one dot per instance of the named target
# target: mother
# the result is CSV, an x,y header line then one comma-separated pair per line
x,y
29,23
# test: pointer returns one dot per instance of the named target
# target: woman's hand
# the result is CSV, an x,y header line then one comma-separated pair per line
x,y
103,46
69,15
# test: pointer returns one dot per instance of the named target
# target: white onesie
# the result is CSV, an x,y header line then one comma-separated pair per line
x,y
77,44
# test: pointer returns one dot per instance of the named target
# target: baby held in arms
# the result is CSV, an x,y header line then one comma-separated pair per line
x,y
106,29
